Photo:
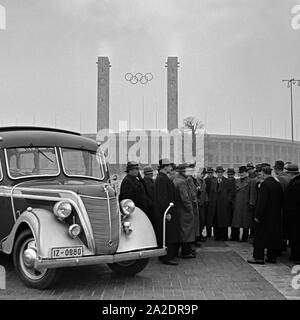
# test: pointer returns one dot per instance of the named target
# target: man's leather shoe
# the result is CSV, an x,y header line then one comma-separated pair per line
x,y
188,256
170,262
255,261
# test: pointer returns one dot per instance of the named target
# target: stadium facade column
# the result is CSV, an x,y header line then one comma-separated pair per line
x,y
172,98
103,93
231,153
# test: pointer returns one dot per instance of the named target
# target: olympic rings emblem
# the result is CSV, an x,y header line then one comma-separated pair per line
x,y
139,77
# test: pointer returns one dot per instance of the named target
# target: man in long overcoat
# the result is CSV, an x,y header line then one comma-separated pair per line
x,y
185,212
291,214
193,192
149,188
202,200
220,198
164,194
268,219
132,187
208,181
232,180
243,207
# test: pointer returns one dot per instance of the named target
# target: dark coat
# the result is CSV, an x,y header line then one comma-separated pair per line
x,y
149,188
193,191
283,179
184,208
232,182
220,199
291,211
244,204
268,231
132,188
164,193
202,200
208,182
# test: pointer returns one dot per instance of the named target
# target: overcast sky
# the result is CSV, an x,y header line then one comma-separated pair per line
x,y
233,55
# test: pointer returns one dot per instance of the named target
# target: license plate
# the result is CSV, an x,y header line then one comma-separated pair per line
x,y
66,252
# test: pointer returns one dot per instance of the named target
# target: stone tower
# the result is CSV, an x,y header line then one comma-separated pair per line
x,y
103,93
172,93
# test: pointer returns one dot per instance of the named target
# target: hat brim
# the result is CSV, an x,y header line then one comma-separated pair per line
x,y
132,168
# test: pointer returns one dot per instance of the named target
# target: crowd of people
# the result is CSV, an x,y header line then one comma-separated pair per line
x,y
258,203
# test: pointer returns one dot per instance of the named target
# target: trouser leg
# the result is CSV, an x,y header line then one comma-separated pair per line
x,y
217,233
245,235
225,233
295,250
208,231
258,253
251,232
272,254
186,248
235,234
171,251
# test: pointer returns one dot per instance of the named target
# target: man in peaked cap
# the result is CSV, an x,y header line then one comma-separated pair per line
x,y
268,219
164,194
220,198
132,186
149,188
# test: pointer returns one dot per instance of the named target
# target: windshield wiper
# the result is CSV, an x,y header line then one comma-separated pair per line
x,y
42,153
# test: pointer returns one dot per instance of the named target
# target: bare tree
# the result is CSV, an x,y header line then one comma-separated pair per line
x,y
193,124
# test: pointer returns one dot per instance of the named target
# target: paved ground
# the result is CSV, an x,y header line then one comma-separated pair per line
x,y
219,272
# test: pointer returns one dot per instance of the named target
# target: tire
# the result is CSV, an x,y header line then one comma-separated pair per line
x,y
129,268
30,276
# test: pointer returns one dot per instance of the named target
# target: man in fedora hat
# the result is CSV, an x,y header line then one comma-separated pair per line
x,y
291,212
208,180
251,170
164,194
220,198
243,207
132,187
291,170
280,174
149,188
185,212
173,173
268,219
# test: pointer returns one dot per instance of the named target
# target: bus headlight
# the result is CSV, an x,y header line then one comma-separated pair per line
x,y
62,209
74,230
127,206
